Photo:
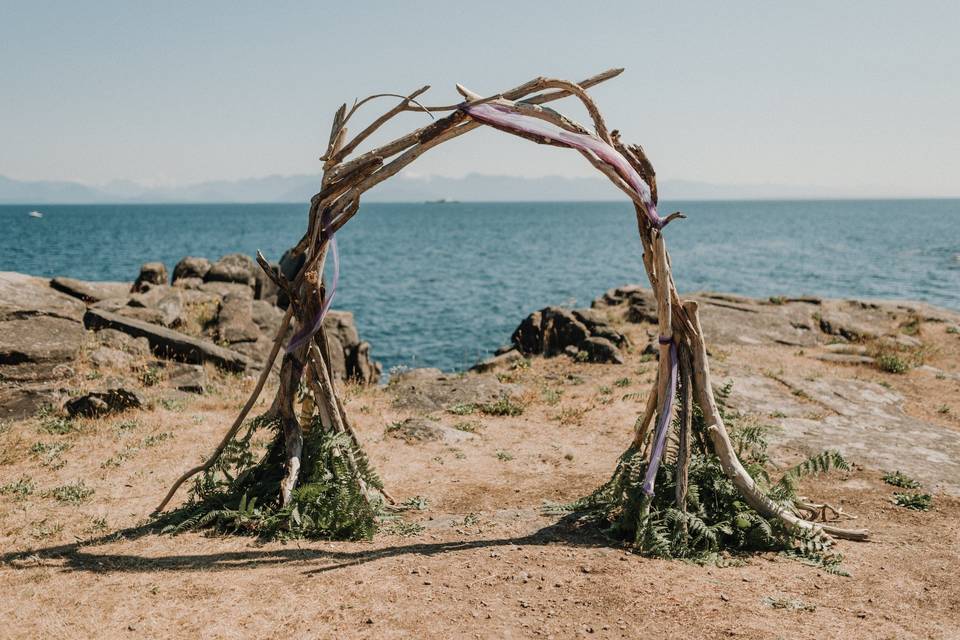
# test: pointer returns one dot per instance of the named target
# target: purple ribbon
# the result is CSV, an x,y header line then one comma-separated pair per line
x,y
306,333
503,116
663,420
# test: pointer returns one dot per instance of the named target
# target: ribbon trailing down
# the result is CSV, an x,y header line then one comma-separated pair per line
x,y
663,420
502,116
307,332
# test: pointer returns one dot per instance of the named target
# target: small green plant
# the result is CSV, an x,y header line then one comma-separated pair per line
x,y
151,376
416,503
50,453
778,300
74,493
58,425
900,479
505,406
126,425
622,382
552,396
155,439
504,456
604,390
20,489
892,363
172,405
953,329
403,528
943,409
915,501
463,409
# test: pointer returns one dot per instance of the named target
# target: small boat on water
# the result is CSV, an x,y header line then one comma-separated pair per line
x,y
35,214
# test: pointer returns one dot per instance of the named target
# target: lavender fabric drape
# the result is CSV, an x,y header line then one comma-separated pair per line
x,y
503,116
306,333
663,420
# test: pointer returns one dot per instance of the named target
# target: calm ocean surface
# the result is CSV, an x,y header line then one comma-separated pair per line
x,y
444,284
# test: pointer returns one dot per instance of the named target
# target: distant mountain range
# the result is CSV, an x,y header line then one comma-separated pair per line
x,y
472,187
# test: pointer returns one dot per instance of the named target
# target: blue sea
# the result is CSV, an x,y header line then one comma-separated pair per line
x,y
444,284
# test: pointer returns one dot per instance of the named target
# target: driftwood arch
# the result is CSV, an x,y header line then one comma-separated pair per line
x,y
683,359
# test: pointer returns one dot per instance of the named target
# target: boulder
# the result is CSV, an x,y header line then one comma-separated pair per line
x,y
109,358
555,330
506,360
151,273
90,292
223,289
191,268
38,347
167,342
189,378
235,267
601,350
163,305
235,320
98,403
114,339
350,356
23,296
266,316
18,402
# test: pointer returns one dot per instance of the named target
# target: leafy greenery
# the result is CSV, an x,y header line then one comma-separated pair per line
x,y
899,479
241,495
20,489
892,363
505,406
716,519
915,501
72,493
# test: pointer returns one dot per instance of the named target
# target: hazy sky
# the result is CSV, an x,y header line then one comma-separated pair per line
x,y
859,95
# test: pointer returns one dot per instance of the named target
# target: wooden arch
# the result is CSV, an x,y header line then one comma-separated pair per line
x,y
683,356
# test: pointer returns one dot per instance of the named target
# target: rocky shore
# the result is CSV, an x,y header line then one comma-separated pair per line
x,y
119,391
165,331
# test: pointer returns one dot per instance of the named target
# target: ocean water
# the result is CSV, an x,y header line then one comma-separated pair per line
x,y
444,284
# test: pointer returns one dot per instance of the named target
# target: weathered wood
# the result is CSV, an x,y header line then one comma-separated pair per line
x,y
685,424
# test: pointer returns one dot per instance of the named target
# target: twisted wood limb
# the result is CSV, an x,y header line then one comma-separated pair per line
x,y
685,426
722,446
232,431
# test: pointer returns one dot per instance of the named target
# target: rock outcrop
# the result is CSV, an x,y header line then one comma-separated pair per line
x,y
555,330
167,342
150,273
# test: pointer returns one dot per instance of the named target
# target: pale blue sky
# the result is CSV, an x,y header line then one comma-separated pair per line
x,y
857,95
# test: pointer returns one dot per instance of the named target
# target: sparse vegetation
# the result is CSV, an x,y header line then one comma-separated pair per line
x,y
900,479
622,382
504,456
892,363
571,415
915,501
19,489
74,493
50,453
505,406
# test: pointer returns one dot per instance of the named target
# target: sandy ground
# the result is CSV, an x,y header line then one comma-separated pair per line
x,y
486,563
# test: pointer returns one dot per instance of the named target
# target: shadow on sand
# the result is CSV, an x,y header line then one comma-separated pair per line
x,y
75,557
